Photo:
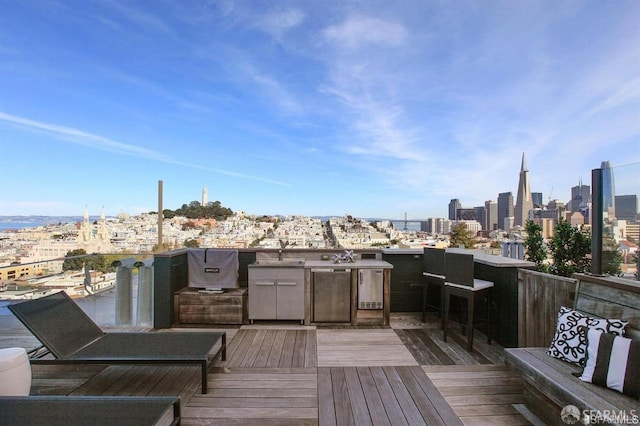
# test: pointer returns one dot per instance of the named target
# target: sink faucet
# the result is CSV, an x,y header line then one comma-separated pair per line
x,y
346,257
283,244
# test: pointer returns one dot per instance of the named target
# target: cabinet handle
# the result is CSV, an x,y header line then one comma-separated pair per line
x,y
287,283
264,283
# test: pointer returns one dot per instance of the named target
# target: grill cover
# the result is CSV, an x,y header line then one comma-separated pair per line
x,y
213,268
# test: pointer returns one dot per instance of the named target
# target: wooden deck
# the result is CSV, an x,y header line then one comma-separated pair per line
x,y
295,375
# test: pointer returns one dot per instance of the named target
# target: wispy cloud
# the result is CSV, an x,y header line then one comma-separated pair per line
x,y
279,22
627,92
141,18
362,31
99,142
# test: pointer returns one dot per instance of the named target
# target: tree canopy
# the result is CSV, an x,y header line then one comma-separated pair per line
x,y
462,236
76,259
195,210
570,249
611,257
536,252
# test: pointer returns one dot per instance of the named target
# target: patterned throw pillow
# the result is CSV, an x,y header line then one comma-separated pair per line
x,y
569,344
612,361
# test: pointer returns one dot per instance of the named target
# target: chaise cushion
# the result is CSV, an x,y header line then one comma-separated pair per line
x,y
612,361
569,343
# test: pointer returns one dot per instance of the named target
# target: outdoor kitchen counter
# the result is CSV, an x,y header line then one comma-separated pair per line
x,y
323,308
358,264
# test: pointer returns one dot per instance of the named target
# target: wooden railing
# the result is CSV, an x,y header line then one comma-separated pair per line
x,y
540,297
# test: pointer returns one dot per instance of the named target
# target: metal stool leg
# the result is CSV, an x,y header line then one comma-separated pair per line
x,y
489,317
425,287
470,317
445,315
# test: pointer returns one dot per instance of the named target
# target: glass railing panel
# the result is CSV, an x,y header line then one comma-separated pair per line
x,y
113,289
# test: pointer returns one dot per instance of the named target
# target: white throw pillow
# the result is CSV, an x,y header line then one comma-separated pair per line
x,y
612,361
569,344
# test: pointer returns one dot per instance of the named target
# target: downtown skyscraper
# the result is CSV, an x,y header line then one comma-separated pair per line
x,y
608,190
524,202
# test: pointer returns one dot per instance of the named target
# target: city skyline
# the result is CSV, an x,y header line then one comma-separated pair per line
x,y
370,108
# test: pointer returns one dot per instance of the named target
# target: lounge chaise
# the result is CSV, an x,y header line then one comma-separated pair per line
x,y
89,410
68,333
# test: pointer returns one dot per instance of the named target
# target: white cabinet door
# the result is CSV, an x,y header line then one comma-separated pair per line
x,y
262,299
276,293
290,299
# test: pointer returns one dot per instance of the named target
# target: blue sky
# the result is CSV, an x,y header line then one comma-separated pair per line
x,y
370,108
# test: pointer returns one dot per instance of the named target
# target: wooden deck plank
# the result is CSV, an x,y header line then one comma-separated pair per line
x,y
276,349
299,348
422,347
496,420
234,343
480,394
253,350
357,348
484,390
452,348
259,396
456,400
119,387
326,407
311,350
150,381
265,401
258,392
61,379
426,344
429,340
246,338
265,349
391,405
404,398
248,413
356,397
249,422
429,369
372,397
485,410
344,414
244,353
260,370
428,410
286,358
251,374
435,397
263,384
179,381
101,381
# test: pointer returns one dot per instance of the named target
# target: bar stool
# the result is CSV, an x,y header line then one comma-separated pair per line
x,y
434,276
460,282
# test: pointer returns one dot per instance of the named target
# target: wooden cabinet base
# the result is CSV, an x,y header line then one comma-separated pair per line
x,y
193,307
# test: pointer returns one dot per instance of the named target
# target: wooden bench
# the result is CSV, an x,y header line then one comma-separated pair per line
x,y
549,384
